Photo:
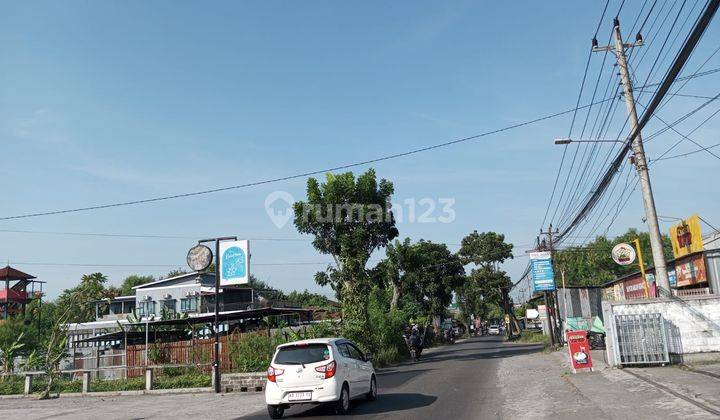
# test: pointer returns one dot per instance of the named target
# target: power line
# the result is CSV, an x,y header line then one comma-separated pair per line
x,y
300,175
686,154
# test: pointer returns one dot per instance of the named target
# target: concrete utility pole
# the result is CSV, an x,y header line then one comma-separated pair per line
x,y
658,254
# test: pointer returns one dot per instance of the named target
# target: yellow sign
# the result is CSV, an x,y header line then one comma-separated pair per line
x,y
686,236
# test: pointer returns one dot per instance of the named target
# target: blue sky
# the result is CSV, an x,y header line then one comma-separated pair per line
x,y
114,101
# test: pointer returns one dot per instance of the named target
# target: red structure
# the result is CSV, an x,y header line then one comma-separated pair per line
x,y
14,298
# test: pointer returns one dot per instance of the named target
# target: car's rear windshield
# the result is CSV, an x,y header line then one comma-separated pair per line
x,y
300,354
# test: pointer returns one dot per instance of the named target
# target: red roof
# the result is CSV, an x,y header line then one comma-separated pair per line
x,y
9,273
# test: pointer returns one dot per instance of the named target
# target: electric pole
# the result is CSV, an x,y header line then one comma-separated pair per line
x,y
658,254
551,303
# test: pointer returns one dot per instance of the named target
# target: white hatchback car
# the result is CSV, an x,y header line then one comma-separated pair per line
x,y
318,371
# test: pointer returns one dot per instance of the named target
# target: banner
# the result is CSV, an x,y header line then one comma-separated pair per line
x,y
234,262
690,271
541,271
686,236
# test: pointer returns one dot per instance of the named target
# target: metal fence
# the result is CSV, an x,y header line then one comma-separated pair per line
x,y
641,339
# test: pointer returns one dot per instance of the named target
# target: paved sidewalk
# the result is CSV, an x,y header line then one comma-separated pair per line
x,y
542,385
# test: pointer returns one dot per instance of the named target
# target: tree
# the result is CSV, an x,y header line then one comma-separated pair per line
x,y
592,264
82,297
126,288
487,250
350,218
402,260
438,275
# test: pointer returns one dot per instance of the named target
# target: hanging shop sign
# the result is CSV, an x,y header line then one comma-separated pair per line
x,y
541,270
686,236
234,262
199,257
623,254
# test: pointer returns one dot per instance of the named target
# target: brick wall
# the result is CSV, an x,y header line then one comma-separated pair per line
x,y
242,382
692,323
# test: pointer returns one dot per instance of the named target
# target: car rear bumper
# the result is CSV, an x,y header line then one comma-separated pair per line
x,y
325,392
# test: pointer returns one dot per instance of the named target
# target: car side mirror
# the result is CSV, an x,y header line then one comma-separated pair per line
x,y
368,357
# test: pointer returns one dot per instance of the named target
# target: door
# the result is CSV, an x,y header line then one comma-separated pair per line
x,y
364,371
351,369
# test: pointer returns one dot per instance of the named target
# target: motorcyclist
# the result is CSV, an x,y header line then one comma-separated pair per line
x,y
416,339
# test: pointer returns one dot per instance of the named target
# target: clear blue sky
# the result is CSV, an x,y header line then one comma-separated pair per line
x,y
114,101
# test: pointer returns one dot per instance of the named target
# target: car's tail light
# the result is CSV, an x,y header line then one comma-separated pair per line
x,y
328,369
273,373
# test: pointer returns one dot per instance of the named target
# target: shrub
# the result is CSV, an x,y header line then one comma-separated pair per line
x,y
190,380
129,384
252,352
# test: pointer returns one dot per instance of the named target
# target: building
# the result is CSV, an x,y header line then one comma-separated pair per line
x,y
20,289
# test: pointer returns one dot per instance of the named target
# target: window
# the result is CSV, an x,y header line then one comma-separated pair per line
x,y
146,308
188,304
355,353
343,350
302,354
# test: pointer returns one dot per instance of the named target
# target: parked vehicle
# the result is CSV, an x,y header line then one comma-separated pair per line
x,y
494,329
324,370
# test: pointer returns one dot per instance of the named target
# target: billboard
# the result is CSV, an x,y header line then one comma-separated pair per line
x,y
541,271
690,271
686,236
234,262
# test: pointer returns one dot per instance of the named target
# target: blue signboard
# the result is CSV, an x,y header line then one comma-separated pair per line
x,y
541,270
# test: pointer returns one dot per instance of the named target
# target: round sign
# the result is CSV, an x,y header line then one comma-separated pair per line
x,y
623,254
199,257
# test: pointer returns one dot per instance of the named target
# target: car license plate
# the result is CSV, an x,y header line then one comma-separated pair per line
x,y
300,396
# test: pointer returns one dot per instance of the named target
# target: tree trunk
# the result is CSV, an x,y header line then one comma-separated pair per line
x,y
395,297
354,314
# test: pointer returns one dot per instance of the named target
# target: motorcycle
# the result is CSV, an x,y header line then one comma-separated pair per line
x,y
449,336
414,343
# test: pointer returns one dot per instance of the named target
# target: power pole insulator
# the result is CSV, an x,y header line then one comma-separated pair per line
x,y
594,43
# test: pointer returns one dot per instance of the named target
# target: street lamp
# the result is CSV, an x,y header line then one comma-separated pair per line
x,y
568,141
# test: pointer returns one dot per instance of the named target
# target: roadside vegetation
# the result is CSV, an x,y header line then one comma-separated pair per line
x,y
414,283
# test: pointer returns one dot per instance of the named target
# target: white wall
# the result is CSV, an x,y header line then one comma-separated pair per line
x,y
692,323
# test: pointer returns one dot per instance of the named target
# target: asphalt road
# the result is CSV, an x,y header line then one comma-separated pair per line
x,y
452,382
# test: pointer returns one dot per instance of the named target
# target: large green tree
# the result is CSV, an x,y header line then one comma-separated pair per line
x,y
433,281
350,218
487,250
401,265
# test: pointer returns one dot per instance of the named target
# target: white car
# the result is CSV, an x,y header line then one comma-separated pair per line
x,y
318,371
494,330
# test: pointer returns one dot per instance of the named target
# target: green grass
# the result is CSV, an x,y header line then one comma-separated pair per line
x,y
534,337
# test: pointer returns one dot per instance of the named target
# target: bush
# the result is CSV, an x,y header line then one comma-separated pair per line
x,y
129,384
10,385
252,352
190,380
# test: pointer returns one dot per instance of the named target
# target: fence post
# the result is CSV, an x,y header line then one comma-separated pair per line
x,y
28,384
86,382
148,379
212,377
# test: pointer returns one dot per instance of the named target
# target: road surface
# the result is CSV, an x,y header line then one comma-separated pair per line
x,y
452,382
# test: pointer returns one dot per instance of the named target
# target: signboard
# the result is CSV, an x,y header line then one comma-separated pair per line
x,y
686,236
541,270
623,254
234,262
672,277
579,350
690,271
542,311
634,287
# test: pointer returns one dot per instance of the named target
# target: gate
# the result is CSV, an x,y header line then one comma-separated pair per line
x,y
641,339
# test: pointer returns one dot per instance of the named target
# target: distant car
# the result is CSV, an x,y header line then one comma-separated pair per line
x,y
324,370
494,330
